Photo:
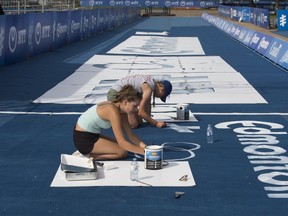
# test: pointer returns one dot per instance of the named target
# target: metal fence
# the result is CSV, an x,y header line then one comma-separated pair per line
x,y
26,6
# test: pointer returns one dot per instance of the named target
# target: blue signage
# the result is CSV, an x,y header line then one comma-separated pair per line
x,y
282,20
16,38
2,39
40,32
26,35
149,3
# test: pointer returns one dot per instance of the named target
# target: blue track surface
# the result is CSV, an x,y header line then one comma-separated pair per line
x,y
232,175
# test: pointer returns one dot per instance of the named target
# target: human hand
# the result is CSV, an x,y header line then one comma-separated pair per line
x,y
161,124
142,144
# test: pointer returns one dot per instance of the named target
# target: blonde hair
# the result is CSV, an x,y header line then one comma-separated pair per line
x,y
129,93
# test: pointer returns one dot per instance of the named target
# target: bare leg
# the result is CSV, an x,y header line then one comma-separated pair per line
x,y
107,148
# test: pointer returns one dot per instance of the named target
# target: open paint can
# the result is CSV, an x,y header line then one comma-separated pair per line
x,y
182,111
153,157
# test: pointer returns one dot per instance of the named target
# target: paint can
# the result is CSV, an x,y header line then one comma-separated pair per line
x,y
182,111
153,157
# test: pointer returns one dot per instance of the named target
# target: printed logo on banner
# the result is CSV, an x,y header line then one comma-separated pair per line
x,y
75,26
147,3
284,60
275,49
248,37
12,39
167,3
255,40
91,3
112,3
282,20
202,4
38,33
264,44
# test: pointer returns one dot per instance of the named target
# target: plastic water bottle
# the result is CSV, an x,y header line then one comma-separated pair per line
x,y
134,170
210,134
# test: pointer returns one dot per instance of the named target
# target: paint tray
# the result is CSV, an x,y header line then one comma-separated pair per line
x,y
78,168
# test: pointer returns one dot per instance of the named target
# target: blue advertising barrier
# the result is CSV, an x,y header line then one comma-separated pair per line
x,y
26,35
40,33
75,23
147,3
272,48
282,22
258,16
2,37
15,38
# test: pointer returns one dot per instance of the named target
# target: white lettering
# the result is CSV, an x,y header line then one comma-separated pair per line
x,y
261,146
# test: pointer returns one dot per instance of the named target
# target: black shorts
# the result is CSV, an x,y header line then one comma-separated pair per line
x,y
84,141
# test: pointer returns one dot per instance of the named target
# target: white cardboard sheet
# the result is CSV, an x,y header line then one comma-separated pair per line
x,y
159,45
168,176
199,80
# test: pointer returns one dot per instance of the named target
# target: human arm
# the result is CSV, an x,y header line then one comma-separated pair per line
x,y
119,124
144,110
130,133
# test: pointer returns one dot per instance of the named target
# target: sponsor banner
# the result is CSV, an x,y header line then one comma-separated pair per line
x,y
283,59
75,25
241,14
86,22
93,23
273,48
248,36
60,26
2,37
16,43
277,52
40,32
257,16
282,16
264,44
26,35
242,34
262,19
147,3
255,40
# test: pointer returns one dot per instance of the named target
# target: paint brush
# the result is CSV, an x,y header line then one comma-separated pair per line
x,y
144,183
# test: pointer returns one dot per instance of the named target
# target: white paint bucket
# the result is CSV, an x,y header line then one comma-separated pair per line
x,y
182,111
153,157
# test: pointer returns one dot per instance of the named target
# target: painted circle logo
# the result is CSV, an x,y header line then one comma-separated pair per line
x,y
91,3
12,39
127,3
167,3
112,3
147,3
38,33
202,4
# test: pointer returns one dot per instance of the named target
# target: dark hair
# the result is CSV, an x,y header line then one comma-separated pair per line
x,y
129,93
